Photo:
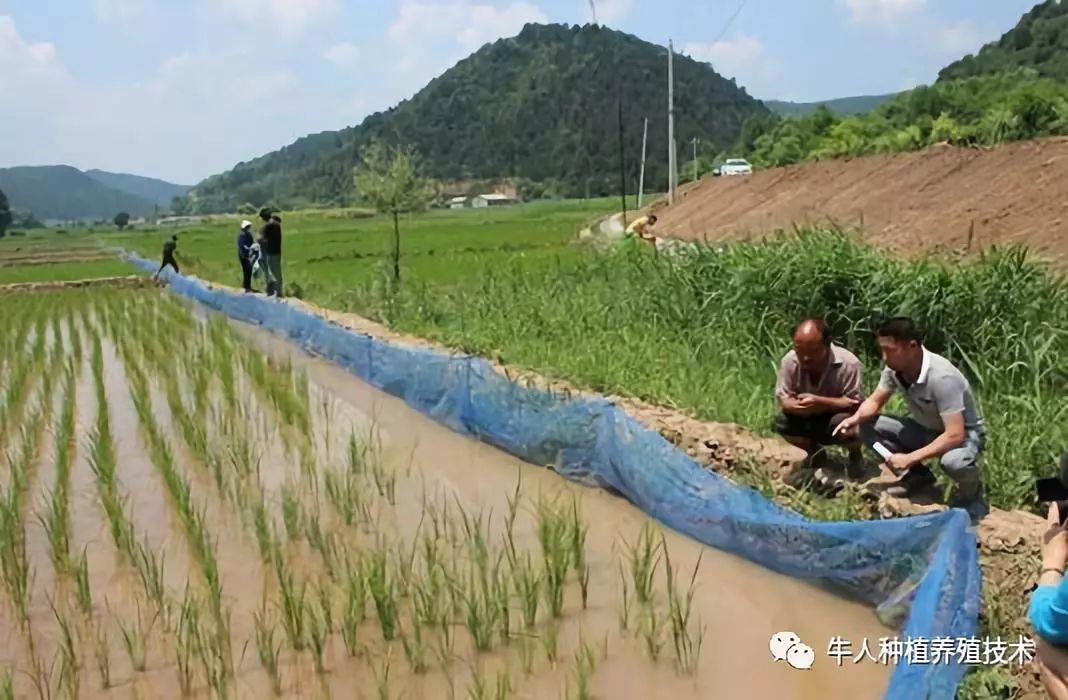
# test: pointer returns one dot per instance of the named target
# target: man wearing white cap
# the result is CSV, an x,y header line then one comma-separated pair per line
x,y
244,243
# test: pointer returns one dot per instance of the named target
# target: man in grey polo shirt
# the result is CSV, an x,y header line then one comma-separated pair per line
x,y
943,419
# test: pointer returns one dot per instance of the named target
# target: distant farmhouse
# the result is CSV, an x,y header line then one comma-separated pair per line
x,y
458,202
491,200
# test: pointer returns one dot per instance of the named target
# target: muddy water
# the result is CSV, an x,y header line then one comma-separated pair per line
x,y
740,604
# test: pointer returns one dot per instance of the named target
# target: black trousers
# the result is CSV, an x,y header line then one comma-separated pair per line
x,y
168,261
246,274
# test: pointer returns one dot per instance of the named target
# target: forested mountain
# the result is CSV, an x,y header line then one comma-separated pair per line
x,y
861,104
156,191
540,108
63,192
1038,41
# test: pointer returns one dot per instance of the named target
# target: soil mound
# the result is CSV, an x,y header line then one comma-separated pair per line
x,y
943,198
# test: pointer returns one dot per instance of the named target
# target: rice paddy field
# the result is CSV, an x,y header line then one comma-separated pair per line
x,y
193,508
702,332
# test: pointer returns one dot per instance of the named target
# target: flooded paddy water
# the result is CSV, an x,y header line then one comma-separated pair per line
x,y
191,507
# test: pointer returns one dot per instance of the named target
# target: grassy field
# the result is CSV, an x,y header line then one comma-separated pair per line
x,y
703,332
327,254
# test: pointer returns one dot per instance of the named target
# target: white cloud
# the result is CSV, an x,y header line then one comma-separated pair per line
x,y
737,58
470,24
343,55
196,113
958,39
612,11
428,36
287,17
123,11
881,12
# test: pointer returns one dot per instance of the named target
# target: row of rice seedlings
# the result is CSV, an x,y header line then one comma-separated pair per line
x,y
194,523
687,642
56,519
14,563
278,385
103,463
20,382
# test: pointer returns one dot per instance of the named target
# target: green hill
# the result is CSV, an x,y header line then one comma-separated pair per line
x,y
63,192
861,104
539,108
156,191
1038,41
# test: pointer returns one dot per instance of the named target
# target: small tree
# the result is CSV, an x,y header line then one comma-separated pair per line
x,y
5,214
122,219
388,179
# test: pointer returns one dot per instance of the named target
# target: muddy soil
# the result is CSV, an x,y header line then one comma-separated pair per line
x,y
942,198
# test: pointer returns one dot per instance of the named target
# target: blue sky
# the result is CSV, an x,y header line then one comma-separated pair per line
x,y
182,89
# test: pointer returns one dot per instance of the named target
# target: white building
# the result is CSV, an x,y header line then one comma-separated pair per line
x,y
491,200
457,202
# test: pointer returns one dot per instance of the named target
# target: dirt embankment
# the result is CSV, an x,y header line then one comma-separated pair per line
x,y
938,199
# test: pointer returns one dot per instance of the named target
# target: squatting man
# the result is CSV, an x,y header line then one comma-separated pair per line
x,y
943,420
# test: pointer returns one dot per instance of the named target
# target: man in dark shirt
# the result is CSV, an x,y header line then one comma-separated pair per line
x,y
168,256
272,251
244,242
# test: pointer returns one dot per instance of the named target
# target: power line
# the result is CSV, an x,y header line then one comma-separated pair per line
x,y
730,22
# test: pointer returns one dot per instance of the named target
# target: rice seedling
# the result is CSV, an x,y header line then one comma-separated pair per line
x,y
317,634
103,662
526,655
625,601
355,606
650,627
68,674
263,529
268,649
135,638
414,645
382,677
188,641
644,558
291,513
687,646
550,641
554,534
585,664
382,585
7,685
82,591
150,572
293,603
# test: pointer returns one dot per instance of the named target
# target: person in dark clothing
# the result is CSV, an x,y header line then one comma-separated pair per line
x,y
168,256
272,251
244,243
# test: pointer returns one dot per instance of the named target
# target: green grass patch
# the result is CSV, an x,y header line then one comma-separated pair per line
x,y
64,272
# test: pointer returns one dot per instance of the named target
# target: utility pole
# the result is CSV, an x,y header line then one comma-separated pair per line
x,y
695,140
641,177
622,169
672,173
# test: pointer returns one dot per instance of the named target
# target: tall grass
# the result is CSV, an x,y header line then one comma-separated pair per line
x,y
705,331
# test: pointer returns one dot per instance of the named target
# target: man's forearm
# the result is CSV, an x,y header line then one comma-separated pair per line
x,y
841,403
867,410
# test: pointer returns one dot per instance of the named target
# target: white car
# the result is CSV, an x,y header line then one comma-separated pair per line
x,y
736,166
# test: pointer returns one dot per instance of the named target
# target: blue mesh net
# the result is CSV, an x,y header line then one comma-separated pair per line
x,y
921,574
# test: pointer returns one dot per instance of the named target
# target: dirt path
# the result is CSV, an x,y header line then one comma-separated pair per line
x,y
941,198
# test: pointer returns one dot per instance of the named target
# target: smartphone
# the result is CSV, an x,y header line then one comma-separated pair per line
x,y
1053,490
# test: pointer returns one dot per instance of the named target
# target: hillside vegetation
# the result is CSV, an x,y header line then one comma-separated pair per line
x,y
984,110
860,104
540,108
158,192
1038,41
63,192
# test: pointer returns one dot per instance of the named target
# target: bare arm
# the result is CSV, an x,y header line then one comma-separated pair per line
x,y
867,410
